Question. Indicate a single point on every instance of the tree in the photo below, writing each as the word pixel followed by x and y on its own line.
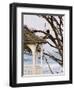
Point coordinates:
pixel 56 23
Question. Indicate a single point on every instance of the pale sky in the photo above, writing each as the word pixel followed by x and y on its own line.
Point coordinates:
pixel 38 23
pixel 35 22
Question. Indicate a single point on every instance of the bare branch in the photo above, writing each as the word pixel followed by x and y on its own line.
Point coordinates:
pixel 54 58
pixel 48 65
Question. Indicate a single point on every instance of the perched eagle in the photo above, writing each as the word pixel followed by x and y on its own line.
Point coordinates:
pixel 48 33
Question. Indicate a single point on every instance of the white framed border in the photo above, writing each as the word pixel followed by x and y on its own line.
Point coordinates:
pixel 66 45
